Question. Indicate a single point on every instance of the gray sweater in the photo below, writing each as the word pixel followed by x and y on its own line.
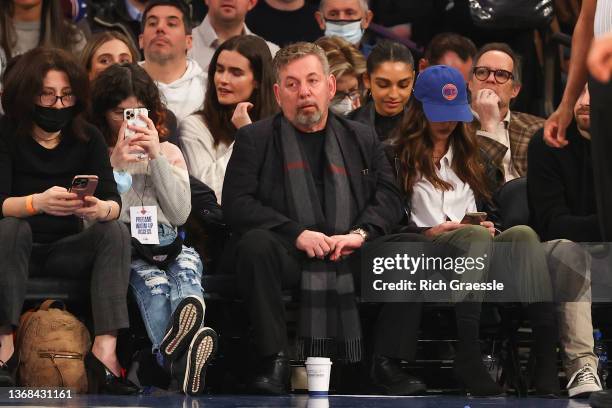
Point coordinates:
pixel 167 187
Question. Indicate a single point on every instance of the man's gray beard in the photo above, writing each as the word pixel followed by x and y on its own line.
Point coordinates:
pixel 308 120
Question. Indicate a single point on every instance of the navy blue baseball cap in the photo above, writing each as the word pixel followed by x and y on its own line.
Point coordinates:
pixel 442 91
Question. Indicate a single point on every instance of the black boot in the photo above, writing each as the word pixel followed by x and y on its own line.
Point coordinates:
pixel 8 370
pixel 468 366
pixel 544 348
pixel 388 375
pixel 273 375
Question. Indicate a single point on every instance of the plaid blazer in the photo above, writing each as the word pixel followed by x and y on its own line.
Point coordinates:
pixel 521 128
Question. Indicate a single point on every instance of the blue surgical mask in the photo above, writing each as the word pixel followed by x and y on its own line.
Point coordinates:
pixel 350 30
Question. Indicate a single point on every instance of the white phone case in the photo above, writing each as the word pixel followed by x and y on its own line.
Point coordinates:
pixel 133 118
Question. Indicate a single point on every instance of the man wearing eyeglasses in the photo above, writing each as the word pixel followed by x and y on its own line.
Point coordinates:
pixel 503 134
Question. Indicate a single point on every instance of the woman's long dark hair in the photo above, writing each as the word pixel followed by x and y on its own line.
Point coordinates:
pixel 55 30
pixel 117 83
pixel 23 84
pixel 414 148
pixel 217 117
pixel 388 51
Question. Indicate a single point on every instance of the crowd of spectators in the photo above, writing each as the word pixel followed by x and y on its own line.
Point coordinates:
pixel 321 130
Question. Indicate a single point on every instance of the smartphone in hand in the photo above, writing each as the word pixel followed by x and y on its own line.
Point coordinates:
pixel 474 218
pixel 133 118
pixel 84 185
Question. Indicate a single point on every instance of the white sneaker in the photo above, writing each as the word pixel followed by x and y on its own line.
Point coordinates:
pixel 583 382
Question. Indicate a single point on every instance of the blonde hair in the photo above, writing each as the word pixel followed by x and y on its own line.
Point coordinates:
pixel 297 51
pixel 343 57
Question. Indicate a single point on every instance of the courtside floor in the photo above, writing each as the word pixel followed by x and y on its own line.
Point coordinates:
pixel 166 400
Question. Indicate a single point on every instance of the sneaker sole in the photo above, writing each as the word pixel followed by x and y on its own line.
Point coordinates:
pixel 202 349
pixel 583 391
pixel 186 321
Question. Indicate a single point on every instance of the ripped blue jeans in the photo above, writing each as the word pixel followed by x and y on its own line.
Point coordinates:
pixel 158 291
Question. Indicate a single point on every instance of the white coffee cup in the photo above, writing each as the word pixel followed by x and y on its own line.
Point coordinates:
pixel 318 402
pixel 318 370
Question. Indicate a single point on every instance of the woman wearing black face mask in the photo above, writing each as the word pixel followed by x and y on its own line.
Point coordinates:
pixel 44 143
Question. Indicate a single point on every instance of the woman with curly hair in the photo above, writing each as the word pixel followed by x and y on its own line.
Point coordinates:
pixel 44 143
pixel 165 274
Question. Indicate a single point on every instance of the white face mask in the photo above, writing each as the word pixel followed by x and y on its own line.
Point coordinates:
pixel 351 31
pixel 343 107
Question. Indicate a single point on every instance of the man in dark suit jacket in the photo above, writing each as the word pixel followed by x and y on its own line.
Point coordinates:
pixel 303 191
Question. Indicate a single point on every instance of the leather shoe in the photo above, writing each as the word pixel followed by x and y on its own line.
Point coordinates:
pixel 272 375
pixel 101 380
pixel 8 370
pixel 388 375
pixel 472 375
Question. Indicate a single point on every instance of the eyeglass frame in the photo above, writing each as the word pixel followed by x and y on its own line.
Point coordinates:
pixel 494 71
pixel 115 115
pixel 352 95
pixel 60 97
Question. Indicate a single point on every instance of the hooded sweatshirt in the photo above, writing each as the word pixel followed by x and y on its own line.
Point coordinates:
pixel 185 95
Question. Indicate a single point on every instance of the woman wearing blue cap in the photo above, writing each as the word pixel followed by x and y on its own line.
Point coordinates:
pixel 444 177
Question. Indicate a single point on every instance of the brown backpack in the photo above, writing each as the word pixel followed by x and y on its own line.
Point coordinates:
pixel 52 344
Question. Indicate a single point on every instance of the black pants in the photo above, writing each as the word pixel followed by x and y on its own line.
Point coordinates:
pixel 100 254
pixel 266 264
pixel 601 148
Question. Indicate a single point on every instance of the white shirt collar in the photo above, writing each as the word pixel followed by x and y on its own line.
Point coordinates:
pixel 448 156
pixel 209 35
pixel 506 119
pixel 431 206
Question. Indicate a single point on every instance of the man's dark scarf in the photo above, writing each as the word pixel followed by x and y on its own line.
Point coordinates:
pixel 329 322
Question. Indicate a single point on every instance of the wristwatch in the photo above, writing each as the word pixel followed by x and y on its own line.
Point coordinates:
pixel 361 232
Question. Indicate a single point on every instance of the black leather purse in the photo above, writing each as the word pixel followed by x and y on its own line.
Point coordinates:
pixel 511 14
